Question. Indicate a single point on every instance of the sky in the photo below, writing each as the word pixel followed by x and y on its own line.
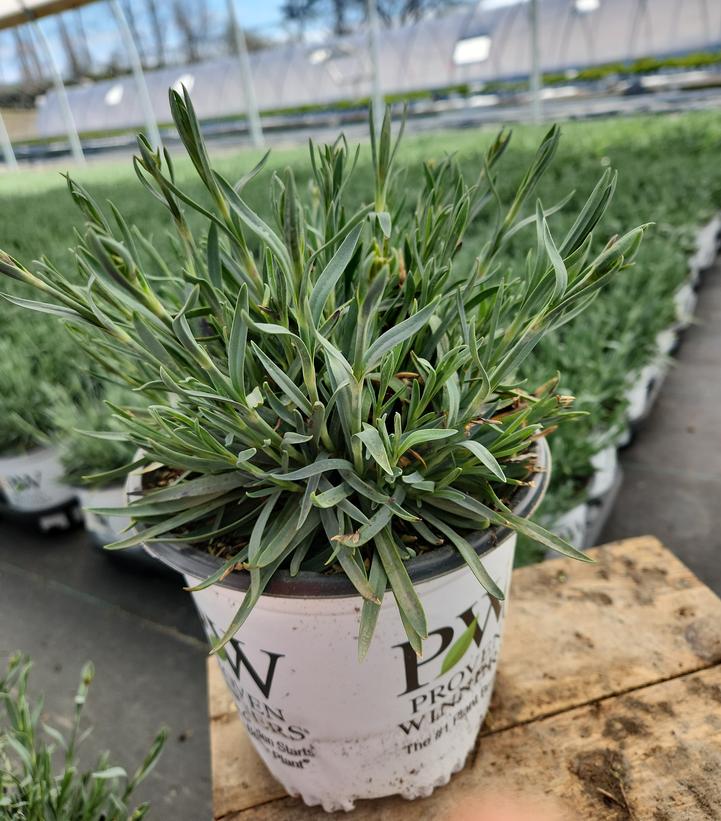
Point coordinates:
pixel 260 16
pixel 98 21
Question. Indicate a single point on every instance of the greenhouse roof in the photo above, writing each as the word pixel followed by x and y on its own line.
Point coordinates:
pixel 17 12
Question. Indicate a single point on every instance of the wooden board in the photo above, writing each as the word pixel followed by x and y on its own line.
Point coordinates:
pixel 607 668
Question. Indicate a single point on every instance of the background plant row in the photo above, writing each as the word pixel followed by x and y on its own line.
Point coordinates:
pixel 668 174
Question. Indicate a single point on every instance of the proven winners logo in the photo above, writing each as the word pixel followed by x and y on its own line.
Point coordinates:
pixel 467 650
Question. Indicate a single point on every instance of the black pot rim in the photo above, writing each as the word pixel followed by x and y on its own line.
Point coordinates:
pixel 307 585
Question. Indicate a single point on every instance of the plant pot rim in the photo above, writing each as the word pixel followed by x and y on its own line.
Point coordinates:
pixel 114 486
pixel 310 585
pixel 28 453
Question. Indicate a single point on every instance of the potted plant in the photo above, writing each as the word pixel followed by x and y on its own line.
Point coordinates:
pixel 94 467
pixel 337 454
pixel 31 485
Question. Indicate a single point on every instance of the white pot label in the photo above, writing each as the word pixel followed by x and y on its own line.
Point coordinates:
pixel 334 730
pixel 32 481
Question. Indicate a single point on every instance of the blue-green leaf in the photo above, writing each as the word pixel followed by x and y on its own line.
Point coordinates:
pixel 375 447
pixel 330 275
pixel 398 334
pixel 484 456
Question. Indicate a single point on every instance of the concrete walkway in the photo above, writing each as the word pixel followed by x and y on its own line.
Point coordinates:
pixel 672 470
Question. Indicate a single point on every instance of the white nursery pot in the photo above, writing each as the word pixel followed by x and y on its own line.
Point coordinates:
pixel 666 341
pixel 32 482
pixel 685 303
pixel 640 396
pixel 334 730
pixel 572 526
pixel 104 529
pixel 707 243
pixel 605 464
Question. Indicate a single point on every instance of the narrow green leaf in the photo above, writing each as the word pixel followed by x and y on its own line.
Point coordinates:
pixel 168 525
pixel 398 334
pixel 330 275
pixel 237 342
pixel 332 496
pixel 401 585
pixel 420 437
pixel 110 772
pixel 355 571
pixel 468 553
pixel 44 308
pixel 558 264
pixel 215 273
pixel 224 569
pixel 370 610
pixel 319 466
pixel 375 447
pixel 459 648
pixel 367 531
pixel 189 488
pixel 517 523
pixel 256 535
pixel 484 456
pixel 281 379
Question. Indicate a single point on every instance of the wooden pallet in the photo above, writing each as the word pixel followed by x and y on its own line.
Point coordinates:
pixel 607 703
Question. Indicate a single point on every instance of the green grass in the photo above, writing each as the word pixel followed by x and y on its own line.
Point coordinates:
pixel 669 174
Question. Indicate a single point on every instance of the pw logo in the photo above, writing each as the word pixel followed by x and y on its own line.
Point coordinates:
pixel 237 658
pixel 21 482
pixel 448 652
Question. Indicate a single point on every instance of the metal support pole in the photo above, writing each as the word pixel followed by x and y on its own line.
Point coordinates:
pixel 535 84
pixel 151 123
pixel 7 146
pixel 73 138
pixel 377 93
pixel 246 77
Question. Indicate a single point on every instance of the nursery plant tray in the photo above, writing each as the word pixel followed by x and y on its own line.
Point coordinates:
pixel 600 509
pixel 607 702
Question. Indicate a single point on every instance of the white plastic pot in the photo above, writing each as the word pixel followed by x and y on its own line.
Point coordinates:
pixel 103 529
pixel 605 463
pixel 685 301
pixel 666 341
pixel 334 730
pixel 572 526
pixel 642 393
pixel 625 436
pixel 31 483
pixel 707 244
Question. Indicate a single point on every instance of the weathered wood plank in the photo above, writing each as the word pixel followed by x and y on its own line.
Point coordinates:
pixel 650 755
pixel 240 779
pixel 576 633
